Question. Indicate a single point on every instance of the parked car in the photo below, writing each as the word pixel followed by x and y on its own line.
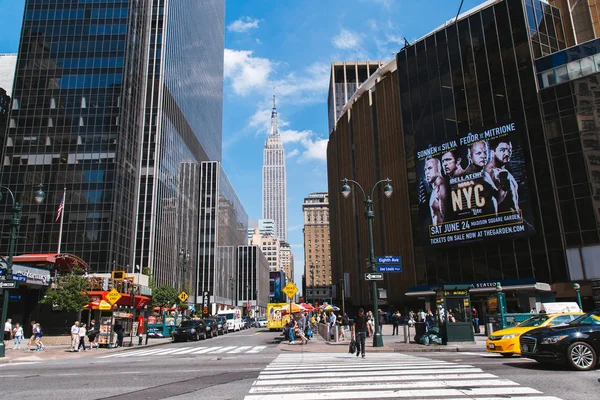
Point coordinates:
pixel 506 341
pixel 190 330
pixel 211 327
pixel 261 322
pixel 577 344
pixel 215 322
pixel 223 321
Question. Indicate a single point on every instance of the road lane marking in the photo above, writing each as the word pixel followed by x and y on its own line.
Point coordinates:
pixel 185 351
pixel 224 349
pixel 256 349
pixel 239 349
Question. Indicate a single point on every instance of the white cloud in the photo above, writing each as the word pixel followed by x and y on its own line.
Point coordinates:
pixel 243 24
pixel 246 72
pixel 314 147
pixel 293 153
pixel 387 4
pixel 346 40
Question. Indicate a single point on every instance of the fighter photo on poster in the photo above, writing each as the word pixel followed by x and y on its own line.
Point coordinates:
pixel 474 187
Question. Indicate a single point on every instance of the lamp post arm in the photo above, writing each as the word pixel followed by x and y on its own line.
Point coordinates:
pixel 12 196
pixel 386 180
pixel 346 180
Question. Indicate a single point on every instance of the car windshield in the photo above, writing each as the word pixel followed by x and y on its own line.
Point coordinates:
pixel 228 316
pixel 262 319
pixel 535 321
pixel 187 324
pixel 592 318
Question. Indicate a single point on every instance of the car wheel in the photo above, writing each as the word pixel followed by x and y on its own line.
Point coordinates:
pixel 507 355
pixel 581 356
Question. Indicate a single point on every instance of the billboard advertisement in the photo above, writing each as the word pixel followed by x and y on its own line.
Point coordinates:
pixel 275 280
pixel 473 187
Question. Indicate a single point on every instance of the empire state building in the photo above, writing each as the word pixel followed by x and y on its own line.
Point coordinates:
pixel 274 189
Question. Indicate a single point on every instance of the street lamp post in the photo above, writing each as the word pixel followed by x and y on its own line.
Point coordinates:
pixel 231 284
pixel 577 287
pixel 343 281
pixel 184 256
pixel 501 304
pixel 370 216
pixel 15 221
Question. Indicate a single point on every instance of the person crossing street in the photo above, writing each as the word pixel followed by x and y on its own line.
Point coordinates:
pixel 359 332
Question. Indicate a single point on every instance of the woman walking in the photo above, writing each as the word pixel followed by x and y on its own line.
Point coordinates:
pixel 18 335
pixel 81 335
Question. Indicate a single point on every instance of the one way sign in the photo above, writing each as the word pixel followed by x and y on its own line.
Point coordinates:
pixel 370 276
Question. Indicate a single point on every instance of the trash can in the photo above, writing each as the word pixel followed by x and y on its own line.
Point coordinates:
pixel 420 329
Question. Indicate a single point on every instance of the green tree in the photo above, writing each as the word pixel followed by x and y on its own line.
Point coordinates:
pixel 164 296
pixel 69 293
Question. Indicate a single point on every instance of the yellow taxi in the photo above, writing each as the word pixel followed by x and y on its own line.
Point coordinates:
pixel 506 341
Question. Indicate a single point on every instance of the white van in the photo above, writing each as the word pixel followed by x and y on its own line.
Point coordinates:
pixel 233 317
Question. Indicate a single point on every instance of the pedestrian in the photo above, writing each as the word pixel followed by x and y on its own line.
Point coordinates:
pixel 381 321
pixel 475 320
pixel 92 334
pixel 292 328
pixel 38 337
pixel 429 319
pixel 533 311
pixel 332 326
pixel 81 334
pixel 7 331
pixel 75 336
pixel 119 331
pixel 18 336
pixel 395 322
pixel 32 338
pixel 360 329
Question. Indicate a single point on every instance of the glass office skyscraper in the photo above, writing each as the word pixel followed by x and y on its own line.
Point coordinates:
pixel 119 104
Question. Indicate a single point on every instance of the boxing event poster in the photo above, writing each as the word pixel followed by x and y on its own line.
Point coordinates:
pixel 474 187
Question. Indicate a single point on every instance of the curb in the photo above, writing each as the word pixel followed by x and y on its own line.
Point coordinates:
pixel 109 351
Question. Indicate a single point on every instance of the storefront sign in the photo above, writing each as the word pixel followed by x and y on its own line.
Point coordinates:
pixel 473 187
pixel 456 293
pixel 29 275
pixel 492 304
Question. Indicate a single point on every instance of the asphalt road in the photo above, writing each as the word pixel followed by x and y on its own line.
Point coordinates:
pixel 149 373
pixel 228 367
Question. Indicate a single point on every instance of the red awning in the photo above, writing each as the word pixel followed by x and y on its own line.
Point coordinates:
pixel 125 300
pixel 62 261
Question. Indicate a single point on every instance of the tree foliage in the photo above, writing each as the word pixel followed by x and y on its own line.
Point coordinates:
pixel 164 296
pixel 69 292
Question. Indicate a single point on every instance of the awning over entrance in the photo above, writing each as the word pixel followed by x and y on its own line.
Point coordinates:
pixel 125 300
pixel 486 287
pixel 62 261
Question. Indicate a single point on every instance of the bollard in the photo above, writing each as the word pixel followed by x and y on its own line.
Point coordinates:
pixel 406 331
pixel 489 328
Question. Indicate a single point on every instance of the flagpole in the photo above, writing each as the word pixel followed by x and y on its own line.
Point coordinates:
pixel 62 216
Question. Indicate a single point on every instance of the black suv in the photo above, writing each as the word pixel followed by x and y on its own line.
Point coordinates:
pixel 216 326
pixel 190 330
pixel 576 344
pixel 222 324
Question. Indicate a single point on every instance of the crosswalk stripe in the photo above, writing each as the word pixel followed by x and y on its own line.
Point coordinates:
pixel 223 350
pixel 334 376
pixel 168 351
pixel 132 353
pixel 256 349
pixel 185 351
pixel 239 349
pixel 202 350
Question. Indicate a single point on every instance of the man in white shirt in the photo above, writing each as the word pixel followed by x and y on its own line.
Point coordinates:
pixel 7 331
pixel 332 327
pixel 75 336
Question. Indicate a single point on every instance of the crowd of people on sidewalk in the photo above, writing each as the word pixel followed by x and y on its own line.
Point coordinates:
pixel 79 332
pixel 15 332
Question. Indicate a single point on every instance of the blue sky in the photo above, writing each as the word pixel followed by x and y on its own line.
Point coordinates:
pixel 285 48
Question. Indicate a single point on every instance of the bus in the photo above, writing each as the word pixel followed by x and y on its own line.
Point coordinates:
pixel 274 319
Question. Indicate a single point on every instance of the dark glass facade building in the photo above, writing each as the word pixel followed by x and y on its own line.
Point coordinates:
pixel 468 79
pixel 119 102
pixel 223 227
pixel 253 286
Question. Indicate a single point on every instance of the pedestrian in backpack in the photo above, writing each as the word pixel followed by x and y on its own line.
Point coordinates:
pixel 360 329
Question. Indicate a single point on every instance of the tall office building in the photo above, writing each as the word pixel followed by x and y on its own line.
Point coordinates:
pixel 109 103
pixel 223 226
pixel 8 63
pixel 274 189
pixel 580 19
pixel 265 227
pixel 345 78
pixel 269 245
pixel 317 247
pixel 286 260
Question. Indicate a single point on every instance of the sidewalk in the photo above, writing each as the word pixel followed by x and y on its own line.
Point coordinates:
pixel 62 352
pixel 390 344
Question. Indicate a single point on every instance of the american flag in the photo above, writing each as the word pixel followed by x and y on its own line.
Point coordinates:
pixel 61 207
